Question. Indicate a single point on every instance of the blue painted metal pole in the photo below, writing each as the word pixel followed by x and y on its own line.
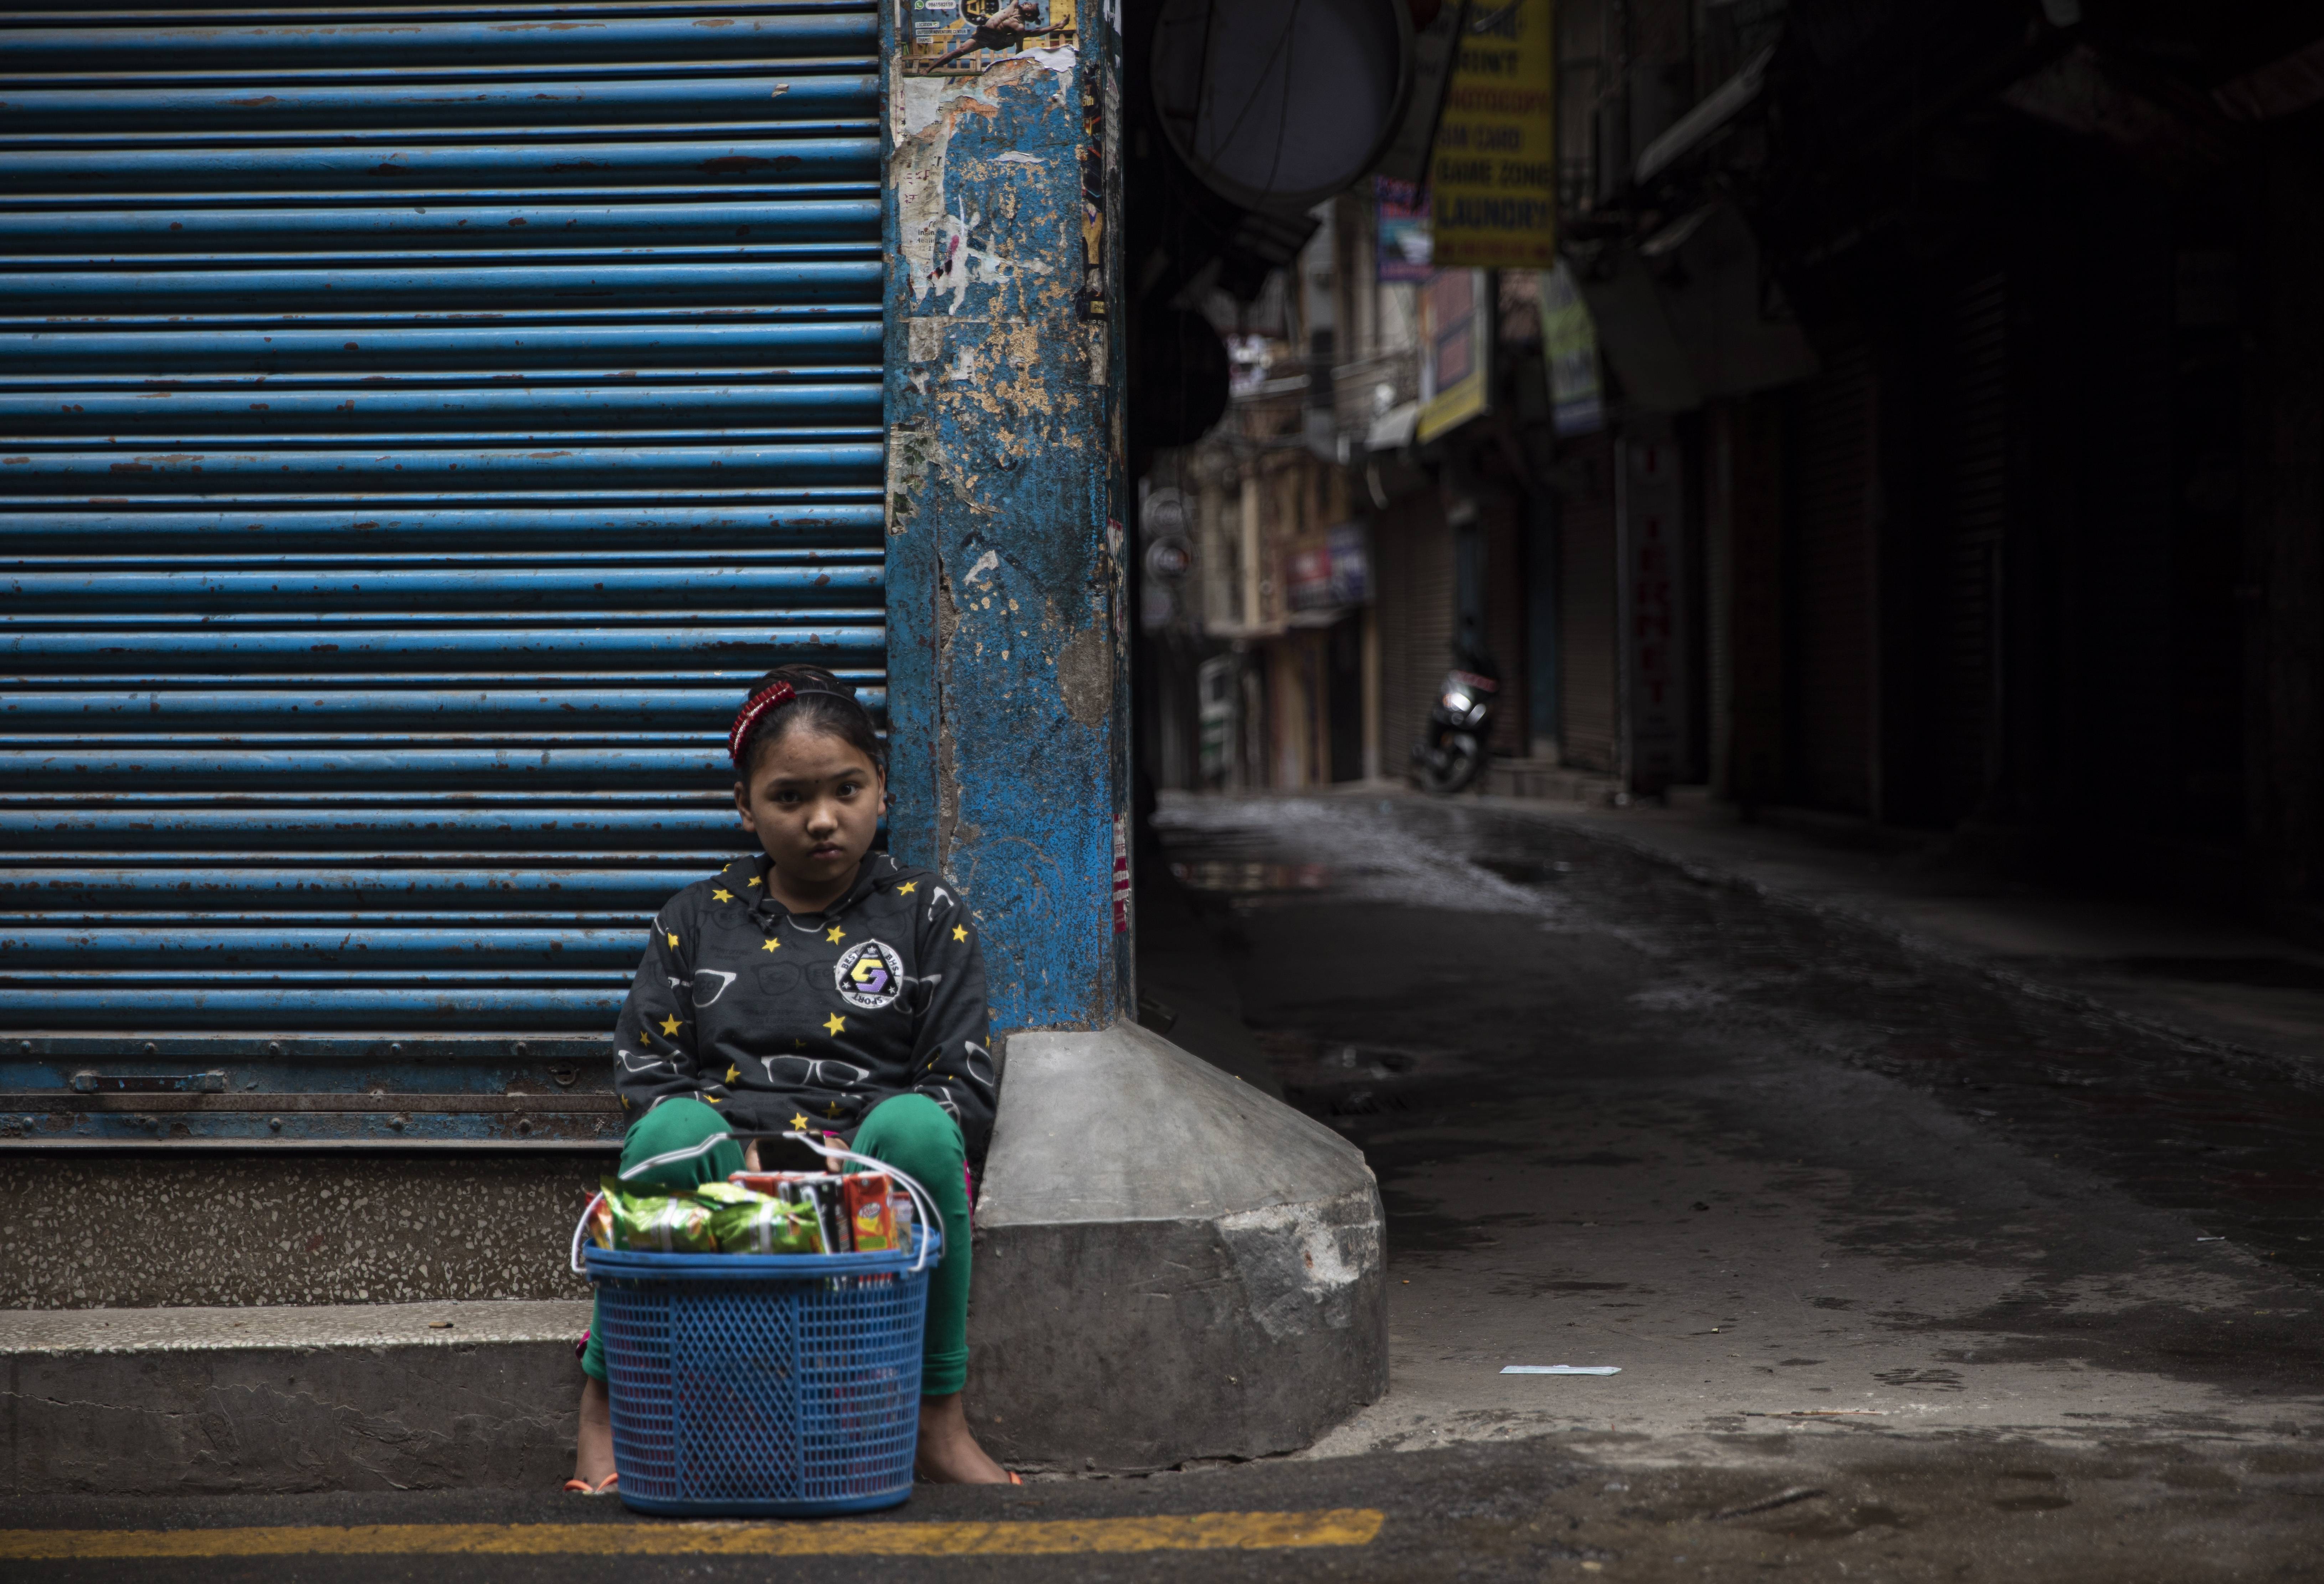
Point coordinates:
pixel 1008 698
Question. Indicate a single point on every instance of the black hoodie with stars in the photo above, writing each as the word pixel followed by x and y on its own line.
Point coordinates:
pixel 773 1015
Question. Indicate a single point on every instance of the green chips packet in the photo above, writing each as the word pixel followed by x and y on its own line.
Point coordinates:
pixel 748 1223
pixel 710 1218
pixel 660 1223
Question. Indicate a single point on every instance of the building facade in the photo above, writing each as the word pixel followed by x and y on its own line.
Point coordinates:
pixel 1933 457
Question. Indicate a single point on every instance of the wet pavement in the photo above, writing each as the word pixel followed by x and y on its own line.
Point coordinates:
pixel 1912 1268
pixel 2233 1138
pixel 1809 1188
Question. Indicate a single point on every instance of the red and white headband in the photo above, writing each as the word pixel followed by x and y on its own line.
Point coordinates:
pixel 773 697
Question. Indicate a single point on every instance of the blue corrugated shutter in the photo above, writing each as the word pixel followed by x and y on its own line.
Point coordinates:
pixel 421 425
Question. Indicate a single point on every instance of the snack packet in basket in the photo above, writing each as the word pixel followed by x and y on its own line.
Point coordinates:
pixel 660 1223
pixel 601 1221
pixel 818 1191
pixel 870 1222
pixel 761 1223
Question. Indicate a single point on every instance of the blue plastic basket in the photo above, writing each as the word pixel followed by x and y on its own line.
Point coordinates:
pixel 764 1386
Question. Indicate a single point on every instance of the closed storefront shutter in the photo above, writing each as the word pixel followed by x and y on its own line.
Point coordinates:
pixel 1415 550
pixel 2125 573
pixel 1975 411
pixel 1750 477
pixel 422 427
pixel 1829 570
pixel 1433 595
pixel 1391 542
pixel 1588 632
pixel 1505 623
pixel 1393 610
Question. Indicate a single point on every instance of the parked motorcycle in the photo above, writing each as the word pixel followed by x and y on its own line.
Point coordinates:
pixel 1453 754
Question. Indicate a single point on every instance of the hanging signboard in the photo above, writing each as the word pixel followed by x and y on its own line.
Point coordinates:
pixel 1351 564
pixel 1493 182
pixel 1331 573
pixel 1456 340
pixel 1307 570
pixel 1569 345
pixel 1404 244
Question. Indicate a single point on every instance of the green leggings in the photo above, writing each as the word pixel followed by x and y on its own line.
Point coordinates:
pixel 909 1132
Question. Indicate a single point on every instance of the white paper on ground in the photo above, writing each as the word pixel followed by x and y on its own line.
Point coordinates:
pixel 1561 1369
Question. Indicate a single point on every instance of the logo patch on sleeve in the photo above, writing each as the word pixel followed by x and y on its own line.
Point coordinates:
pixel 870 975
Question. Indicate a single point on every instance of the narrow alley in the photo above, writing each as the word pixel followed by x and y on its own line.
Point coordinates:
pixel 1827 1200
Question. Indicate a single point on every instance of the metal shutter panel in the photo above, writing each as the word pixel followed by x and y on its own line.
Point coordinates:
pixel 1588 632
pixel 1430 634
pixel 1414 548
pixel 1976 415
pixel 422 425
pixel 1391 542
pixel 1505 625
pixel 1830 572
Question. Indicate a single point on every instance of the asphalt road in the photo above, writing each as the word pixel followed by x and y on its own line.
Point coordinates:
pixel 1909 1272
pixel 1936 1510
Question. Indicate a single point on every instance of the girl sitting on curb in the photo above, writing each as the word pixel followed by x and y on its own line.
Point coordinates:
pixel 813 985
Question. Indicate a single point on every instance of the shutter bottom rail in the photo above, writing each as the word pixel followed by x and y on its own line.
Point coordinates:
pixel 258 1120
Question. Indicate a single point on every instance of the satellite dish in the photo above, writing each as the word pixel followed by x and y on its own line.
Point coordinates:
pixel 1278 105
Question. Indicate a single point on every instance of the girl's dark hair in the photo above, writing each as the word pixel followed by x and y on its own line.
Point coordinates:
pixel 824 703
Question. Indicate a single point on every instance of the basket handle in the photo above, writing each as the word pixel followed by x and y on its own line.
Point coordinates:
pixel 921 1201
pixel 579 1228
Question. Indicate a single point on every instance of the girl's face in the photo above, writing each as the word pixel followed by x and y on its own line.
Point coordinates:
pixel 814 802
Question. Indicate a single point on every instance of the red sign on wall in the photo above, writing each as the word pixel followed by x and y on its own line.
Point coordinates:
pixel 1654 616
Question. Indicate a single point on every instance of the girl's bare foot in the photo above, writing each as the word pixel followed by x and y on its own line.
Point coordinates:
pixel 948 1453
pixel 593 1451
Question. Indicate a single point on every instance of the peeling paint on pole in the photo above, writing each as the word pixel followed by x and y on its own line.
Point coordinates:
pixel 1008 691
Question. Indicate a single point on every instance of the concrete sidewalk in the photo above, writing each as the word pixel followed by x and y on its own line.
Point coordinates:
pixel 208 1401
pixel 122 1373
pixel 2199 976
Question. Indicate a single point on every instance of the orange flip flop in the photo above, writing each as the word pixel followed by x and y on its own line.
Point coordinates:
pixel 582 1487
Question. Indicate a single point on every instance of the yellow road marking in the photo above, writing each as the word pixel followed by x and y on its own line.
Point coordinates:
pixel 1049 1537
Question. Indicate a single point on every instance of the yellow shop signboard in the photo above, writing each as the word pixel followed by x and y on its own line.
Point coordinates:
pixel 1493 181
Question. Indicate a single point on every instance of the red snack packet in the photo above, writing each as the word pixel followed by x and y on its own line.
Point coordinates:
pixel 869 1218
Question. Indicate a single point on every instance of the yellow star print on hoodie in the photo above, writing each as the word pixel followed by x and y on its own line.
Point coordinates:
pixel 767 1014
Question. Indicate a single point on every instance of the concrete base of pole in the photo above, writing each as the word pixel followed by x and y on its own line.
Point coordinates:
pixel 1170 1264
